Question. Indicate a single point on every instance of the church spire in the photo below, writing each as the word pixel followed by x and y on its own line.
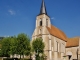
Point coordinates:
pixel 43 8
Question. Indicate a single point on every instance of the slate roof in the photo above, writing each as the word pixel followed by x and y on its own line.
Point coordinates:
pixel 43 8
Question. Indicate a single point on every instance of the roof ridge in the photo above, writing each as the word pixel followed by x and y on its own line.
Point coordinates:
pixel 73 37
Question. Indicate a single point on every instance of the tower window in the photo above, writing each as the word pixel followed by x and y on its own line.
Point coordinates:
pixel 46 22
pixel 41 22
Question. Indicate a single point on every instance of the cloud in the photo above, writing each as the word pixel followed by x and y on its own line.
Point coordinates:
pixel 52 18
pixel 12 12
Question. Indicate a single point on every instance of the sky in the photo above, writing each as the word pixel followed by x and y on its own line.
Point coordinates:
pixel 19 16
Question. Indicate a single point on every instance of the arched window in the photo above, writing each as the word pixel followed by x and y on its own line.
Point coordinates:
pixel 46 22
pixel 57 46
pixel 40 22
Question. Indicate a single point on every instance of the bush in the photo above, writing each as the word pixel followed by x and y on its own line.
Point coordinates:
pixel 25 59
pixel 10 59
pixel 14 59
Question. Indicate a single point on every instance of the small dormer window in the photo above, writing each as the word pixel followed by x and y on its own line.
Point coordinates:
pixel 40 22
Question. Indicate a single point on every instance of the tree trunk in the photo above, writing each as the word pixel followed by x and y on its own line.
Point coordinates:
pixel 23 57
pixel 20 56
pixel 30 55
pixel 12 56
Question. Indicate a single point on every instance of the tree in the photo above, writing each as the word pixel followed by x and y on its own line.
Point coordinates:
pixel 38 46
pixel 5 49
pixel 0 48
pixel 13 46
pixel 23 44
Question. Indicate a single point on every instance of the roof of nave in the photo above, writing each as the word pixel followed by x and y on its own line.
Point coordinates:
pixel 57 33
pixel 72 42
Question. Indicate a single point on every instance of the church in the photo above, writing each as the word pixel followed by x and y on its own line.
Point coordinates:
pixel 57 45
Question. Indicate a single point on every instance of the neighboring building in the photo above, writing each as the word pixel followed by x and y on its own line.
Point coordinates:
pixel 57 45
pixel 73 47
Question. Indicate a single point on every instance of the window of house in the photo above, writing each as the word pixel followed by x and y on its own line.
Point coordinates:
pixel 57 46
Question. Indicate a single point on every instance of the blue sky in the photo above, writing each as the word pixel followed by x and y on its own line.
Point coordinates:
pixel 19 16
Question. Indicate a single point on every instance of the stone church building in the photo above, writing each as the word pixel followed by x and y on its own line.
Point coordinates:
pixel 57 45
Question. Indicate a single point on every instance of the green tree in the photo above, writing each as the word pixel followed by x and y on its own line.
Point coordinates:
pixel 13 46
pixel 5 48
pixel 23 45
pixel 0 48
pixel 38 46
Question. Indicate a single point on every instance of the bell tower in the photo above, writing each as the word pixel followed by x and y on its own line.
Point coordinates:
pixel 41 31
pixel 43 19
